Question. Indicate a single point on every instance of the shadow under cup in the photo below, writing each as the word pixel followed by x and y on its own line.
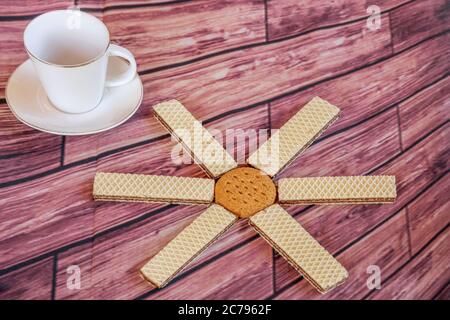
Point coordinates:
pixel 68 49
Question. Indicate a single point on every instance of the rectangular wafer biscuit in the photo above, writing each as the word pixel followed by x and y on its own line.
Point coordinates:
pixel 335 190
pixel 187 245
pixel 200 144
pixel 294 136
pixel 152 188
pixel 299 248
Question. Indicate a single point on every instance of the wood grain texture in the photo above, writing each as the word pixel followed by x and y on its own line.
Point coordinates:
pixel 226 278
pixel 290 64
pixel 32 282
pixel 420 165
pixel 229 77
pixel 227 82
pixel 169 34
pixel 12 8
pixel 24 151
pixel 444 294
pixel 385 247
pixel 424 276
pixel 118 4
pixel 290 17
pixel 368 91
pixel 111 263
pixel 429 213
pixel 335 227
pixel 418 20
pixel 46 213
pixel 424 111
pixel 12 50
pixel 110 267
pixel 97 5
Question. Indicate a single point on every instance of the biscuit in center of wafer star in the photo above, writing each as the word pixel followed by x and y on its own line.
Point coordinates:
pixel 245 191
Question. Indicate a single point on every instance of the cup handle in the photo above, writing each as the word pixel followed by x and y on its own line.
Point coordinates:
pixel 127 76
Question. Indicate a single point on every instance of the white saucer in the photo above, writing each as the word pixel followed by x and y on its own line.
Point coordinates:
pixel 28 102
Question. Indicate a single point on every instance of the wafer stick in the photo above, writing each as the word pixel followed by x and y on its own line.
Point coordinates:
pixel 299 248
pixel 337 190
pixel 294 136
pixel 151 188
pixel 200 144
pixel 187 245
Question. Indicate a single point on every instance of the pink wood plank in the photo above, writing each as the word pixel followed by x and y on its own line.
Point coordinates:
pixel 96 5
pixel 111 264
pixel 368 91
pixel 424 276
pixel 424 111
pixel 335 227
pixel 352 152
pixel 12 50
pixel 45 214
pixel 385 247
pixel 38 233
pixel 112 4
pixel 419 166
pixel 31 282
pixel 290 17
pixel 417 21
pixel 429 213
pixel 168 34
pixel 245 273
pixel 25 151
pixel 11 8
pixel 240 79
pixel 444 294
pixel 216 78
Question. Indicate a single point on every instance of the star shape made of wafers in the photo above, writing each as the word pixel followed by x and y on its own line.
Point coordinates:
pixel 246 192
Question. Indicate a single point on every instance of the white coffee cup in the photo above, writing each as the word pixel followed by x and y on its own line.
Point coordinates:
pixel 70 51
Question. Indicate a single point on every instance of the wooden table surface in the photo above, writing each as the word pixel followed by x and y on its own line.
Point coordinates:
pixel 241 64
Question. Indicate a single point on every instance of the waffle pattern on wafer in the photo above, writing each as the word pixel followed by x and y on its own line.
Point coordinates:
pixel 329 190
pixel 188 244
pixel 294 136
pixel 201 145
pixel 151 188
pixel 298 247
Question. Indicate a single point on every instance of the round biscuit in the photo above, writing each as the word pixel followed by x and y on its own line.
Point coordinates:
pixel 245 191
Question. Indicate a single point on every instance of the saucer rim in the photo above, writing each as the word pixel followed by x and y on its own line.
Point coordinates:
pixel 80 133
